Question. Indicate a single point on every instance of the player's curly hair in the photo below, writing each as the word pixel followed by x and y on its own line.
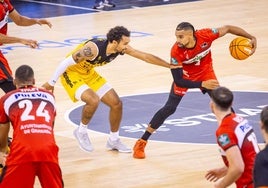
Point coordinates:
pixel 116 33
pixel 185 26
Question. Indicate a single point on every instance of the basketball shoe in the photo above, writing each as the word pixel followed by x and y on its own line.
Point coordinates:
pixel 98 6
pixel 117 145
pixel 83 140
pixel 139 149
pixel 108 3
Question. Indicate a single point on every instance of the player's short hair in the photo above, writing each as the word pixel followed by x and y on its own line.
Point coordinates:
pixel 24 73
pixel 264 118
pixel 117 33
pixel 185 26
pixel 222 97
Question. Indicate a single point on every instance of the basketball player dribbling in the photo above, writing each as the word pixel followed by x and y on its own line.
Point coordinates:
pixel 191 67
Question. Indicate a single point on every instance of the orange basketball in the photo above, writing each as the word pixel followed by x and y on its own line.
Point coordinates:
pixel 240 48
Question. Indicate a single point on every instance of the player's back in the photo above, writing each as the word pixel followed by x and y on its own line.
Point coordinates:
pixel 31 112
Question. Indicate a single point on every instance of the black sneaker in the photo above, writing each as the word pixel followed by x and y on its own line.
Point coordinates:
pixel 108 3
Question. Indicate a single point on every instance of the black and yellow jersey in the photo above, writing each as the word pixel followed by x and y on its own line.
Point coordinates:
pixel 101 59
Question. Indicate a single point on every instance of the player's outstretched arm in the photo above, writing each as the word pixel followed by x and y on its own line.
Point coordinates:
pixel 147 57
pixel 21 20
pixel 4 39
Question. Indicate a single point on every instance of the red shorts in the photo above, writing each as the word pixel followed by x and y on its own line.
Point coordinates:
pixel 23 175
pixel 5 71
pixel 181 91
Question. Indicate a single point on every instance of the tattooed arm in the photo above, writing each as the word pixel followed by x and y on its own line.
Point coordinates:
pixel 88 52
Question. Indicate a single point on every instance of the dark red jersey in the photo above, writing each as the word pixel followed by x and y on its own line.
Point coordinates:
pixel 196 61
pixel 236 131
pixel 31 111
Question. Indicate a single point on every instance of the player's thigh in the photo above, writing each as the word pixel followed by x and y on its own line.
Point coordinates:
pixel 22 175
pixel 49 175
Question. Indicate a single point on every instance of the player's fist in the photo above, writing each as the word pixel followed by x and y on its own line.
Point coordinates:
pixel 210 84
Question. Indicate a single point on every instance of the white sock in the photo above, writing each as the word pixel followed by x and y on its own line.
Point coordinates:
pixel 114 135
pixel 82 128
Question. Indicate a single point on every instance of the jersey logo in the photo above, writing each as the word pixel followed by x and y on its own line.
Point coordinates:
pixel 174 61
pixel 197 58
pixel 224 140
pixel 204 45
pixel 214 30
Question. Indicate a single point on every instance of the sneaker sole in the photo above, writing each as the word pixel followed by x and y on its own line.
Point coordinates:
pixel 121 151
pixel 138 157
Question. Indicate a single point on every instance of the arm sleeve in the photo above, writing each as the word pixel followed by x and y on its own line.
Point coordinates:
pixel 179 81
pixel 61 68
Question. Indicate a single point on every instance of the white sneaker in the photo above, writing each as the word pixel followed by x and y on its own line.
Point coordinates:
pixel 108 3
pixel 98 6
pixel 117 145
pixel 83 140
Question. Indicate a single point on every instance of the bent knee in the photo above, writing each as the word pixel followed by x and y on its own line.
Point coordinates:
pixel 118 104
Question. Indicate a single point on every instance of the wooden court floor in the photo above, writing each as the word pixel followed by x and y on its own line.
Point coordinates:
pixel 167 164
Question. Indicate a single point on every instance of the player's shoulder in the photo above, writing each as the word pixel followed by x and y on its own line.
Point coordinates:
pixel 175 47
pixel 207 32
pixel 8 94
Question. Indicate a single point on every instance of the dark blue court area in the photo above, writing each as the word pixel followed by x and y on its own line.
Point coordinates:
pixel 54 8
pixel 193 121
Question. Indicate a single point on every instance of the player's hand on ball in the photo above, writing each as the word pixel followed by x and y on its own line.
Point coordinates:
pixel 48 87
pixel 210 84
pixel 253 42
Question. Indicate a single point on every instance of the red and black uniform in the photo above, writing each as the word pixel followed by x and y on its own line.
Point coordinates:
pixel 235 131
pixel 6 78
pixel 197 61
pixel 33 151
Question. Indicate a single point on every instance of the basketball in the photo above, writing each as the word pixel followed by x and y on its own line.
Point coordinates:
pixel 240 48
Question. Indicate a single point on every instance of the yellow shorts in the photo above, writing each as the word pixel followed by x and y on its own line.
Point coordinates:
pixel 72 81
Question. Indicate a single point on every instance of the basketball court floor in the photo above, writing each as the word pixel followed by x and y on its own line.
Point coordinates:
pixel 183 149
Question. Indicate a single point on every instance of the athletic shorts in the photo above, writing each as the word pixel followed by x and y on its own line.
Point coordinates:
pixel 75 83
pixel 5 71
pixel 181 91
pixel 23 175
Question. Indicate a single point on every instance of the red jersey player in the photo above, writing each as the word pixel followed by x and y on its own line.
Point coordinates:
pixel 191 67
pixel 237 141
pixel 7 11
pixel 33 151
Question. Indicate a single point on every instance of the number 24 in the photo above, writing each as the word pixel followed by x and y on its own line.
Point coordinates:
pixel 41 112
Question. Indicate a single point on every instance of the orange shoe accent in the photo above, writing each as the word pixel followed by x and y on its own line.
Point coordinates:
pixel 139 149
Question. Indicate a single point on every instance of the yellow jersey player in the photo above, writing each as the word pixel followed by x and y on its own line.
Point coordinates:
pixel 82 82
